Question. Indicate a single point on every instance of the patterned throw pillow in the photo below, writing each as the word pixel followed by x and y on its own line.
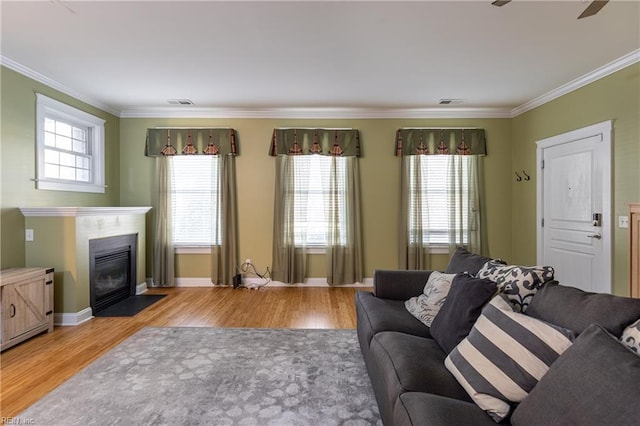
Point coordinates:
pixel 631 337
pixel 426 306
pixel 519 283
pixel 504 356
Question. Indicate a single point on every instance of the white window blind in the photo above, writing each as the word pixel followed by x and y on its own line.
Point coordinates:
pixel 313 199
pixel 194 200
pixel 442 197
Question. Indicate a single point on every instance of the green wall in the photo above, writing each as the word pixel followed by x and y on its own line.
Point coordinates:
pixel 18 162
pixel 510 205
pixel 617 98
pixel 379 174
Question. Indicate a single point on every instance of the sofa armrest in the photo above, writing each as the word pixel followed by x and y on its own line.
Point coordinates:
pixel 399 284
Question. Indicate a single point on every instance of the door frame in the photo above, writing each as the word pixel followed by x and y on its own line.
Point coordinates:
pixel 604 130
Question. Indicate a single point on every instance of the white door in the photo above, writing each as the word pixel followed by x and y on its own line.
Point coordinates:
pixel 574 207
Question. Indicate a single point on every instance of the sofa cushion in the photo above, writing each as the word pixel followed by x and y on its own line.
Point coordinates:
pixel 461 309
pixel 519 283
pixel 631 337
pixel 412 364
pixel 465 261
pixel 594 382
pixel 376 315
pixel 417 408
pixel 504 356
pixel 426 306
pixel 575 309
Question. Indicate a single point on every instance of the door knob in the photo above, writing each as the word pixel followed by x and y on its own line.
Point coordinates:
pixel 597 236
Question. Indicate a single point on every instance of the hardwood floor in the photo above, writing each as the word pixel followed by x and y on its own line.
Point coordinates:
pixel 32 369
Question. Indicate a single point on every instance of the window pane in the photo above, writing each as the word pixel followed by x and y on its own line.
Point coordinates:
pixel 49 139
pixel 79 146
pixel 51 156
pixel 49 125
pixel 51 171
pixel 68 173
pixel 82 175
pixel 67 159
pixel 63 142
pixel 63 129
pixel 79 134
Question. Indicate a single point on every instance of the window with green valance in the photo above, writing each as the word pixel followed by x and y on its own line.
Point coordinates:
pixel 194 141
pixel 430 141
pixel 305 141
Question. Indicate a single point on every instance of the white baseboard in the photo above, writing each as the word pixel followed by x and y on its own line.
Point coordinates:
pixel 70 319
pixel 141 288
pixel 309 282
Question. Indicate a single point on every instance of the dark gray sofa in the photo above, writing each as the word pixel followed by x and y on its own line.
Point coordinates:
pixel 413 387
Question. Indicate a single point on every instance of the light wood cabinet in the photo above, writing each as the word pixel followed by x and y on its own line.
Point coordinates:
pixel 634 249
pixel 26 303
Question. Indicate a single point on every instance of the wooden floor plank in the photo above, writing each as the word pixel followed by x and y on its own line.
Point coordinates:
pixel 34 368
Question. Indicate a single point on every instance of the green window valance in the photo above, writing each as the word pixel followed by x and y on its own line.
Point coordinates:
pixel 429 141
pixel 195 141
pixel 303 141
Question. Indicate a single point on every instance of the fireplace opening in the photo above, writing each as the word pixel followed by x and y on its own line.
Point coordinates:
pixel 112 270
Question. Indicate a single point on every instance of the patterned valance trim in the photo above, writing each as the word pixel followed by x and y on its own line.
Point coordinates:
pixel 196 141
pixel 428 141
pixel 304 141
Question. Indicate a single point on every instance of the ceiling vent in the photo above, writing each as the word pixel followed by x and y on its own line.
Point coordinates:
pixel 450 101
pixel 180 101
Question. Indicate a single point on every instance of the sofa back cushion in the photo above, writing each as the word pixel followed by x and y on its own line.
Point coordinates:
pixel 462 307
pixel 576 309
pixel 465 261
pixel 594 382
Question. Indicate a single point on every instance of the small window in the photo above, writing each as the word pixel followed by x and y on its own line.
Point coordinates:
pixel 313 199
pixel 441 212
pixel 70 148
pixel 195 212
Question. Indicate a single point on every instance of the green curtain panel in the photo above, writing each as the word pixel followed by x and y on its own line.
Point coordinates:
pixel 303 141
pixel 164 142
pixel 428 141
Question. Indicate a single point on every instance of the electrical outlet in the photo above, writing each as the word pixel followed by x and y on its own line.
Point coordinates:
pixel 28 234
pixel 623 221
pixel 247 261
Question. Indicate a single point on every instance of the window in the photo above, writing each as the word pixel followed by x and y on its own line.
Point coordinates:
pixel 442 197
pixel 313 200
pixel 194 201
pixel 70 148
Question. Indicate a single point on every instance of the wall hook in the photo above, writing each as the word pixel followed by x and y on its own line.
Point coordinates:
pixel 526 176
pixel 518 177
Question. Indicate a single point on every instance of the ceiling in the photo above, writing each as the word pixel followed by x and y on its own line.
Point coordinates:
pixel 130 58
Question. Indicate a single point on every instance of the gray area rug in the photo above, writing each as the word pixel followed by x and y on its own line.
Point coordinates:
pixel 218 376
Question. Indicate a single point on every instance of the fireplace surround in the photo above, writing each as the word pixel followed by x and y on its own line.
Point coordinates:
pixel 112 270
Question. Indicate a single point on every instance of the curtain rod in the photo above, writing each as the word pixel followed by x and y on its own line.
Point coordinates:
pixel 443 128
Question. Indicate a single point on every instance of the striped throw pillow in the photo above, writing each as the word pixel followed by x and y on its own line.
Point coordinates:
pixel 504 356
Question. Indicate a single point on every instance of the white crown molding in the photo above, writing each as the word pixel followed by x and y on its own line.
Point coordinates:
pixel 35 75
pixel 81 211
pixel 317 113
pixel 605 70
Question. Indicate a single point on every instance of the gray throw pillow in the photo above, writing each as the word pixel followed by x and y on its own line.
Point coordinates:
pixel 467 296
pixel 594 382
pixel 427 305
pixel 465 261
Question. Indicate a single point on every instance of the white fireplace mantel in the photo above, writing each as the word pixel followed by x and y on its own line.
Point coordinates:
pixel 81 211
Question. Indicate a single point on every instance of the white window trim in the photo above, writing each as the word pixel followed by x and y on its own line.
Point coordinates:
pixel 181 249
pixel 46 106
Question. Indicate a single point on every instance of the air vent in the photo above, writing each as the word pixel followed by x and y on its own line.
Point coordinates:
pixel 180 101
pixel 450 101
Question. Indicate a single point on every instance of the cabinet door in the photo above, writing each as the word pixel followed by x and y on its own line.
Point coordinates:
pixel 23 306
